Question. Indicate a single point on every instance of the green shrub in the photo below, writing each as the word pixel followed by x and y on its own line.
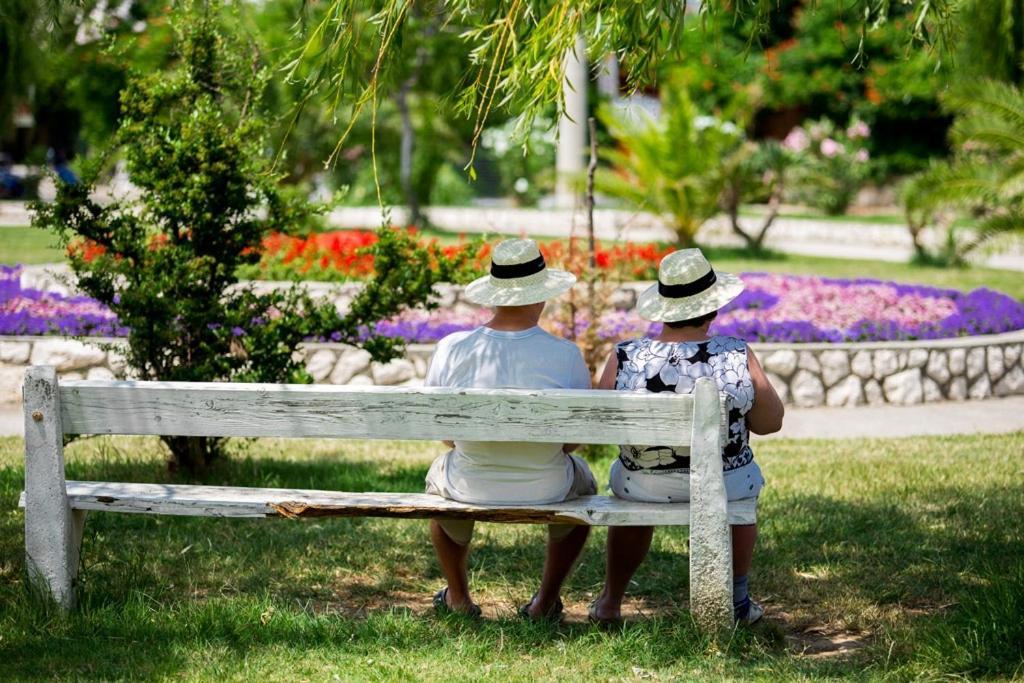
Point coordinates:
pixel 194 144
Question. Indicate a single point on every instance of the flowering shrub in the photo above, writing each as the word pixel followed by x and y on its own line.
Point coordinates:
pixel 831 163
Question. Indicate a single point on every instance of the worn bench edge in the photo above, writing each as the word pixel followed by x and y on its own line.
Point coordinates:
pixel 237 502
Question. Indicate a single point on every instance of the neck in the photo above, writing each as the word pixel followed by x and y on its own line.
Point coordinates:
pixel 684 334
pixel 506 320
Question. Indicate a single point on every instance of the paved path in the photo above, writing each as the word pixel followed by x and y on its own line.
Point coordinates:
pixel 994 416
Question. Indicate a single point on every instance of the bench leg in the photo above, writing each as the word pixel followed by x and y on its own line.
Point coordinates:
pixel 53 531
pixel 710 544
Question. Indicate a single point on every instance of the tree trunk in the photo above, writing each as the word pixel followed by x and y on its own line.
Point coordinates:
pixel 405 153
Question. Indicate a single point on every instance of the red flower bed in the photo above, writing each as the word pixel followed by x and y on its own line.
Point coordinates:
pixel 340 255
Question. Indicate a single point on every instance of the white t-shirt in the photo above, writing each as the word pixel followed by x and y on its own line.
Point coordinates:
pixel 504 472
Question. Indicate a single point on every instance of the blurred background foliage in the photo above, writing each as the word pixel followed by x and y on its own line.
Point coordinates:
pixel 769 69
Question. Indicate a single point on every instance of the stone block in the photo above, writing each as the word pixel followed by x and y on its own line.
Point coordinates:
pixel 846 393
pixel 623 299
pixel 320 364
pixel 394 372
pixel 1011 384
pixel 975 362
pixel 931 390
pixel 904 387
pixel 885 363
pixel 71 375
pixel 1011 354
pixel 99 373
pixel 419 363
pixel 916 358
pixel 835 365
pixel 11 378
pixel 351 362
pixel 957 390
pixel 66 354
pixel 807 389
pixel 360 380
pixel 938 367
pixel 808 361
pixel 15 352
pixel 994 361
pixel 982 388
pixel 957 361
pixel 782 363
pixel 780 386
pixel 861 365
pixel 873 392
pixel 117 363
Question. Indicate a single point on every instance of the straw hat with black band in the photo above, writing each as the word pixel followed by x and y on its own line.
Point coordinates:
pixel 519 276
pixel 688 287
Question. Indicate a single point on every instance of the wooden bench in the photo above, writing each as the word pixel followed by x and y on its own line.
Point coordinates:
pixel 55 508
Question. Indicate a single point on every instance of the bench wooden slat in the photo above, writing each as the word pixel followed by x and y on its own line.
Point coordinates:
pixel 222 409
pixel 232 501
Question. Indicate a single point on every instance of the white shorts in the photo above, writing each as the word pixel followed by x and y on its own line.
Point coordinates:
pixel 674 487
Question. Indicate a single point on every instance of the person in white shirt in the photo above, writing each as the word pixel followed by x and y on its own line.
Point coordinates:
pixel 511 352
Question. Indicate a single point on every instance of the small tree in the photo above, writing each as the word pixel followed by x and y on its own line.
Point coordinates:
pixel 754 172
pixel 194 143
pixel 671 166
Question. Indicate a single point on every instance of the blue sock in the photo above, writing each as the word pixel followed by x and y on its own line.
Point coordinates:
pixel 740 596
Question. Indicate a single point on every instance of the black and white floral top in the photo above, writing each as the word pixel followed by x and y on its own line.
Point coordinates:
pixel 654 366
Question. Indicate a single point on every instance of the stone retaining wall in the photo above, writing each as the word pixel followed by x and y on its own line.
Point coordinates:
pixel 805 375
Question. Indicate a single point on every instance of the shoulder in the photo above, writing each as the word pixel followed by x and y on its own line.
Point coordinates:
pixel 721 343
pixel 455 338
pixel 560 344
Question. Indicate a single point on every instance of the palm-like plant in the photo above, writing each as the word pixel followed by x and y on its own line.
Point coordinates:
pixel 671 166
pixel 986 175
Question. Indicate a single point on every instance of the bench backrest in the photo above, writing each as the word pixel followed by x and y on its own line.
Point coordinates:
pixel 288 410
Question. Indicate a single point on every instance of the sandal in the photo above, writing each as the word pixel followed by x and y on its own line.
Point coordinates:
pixel 442 607
pixel 553 614
pixel 600 622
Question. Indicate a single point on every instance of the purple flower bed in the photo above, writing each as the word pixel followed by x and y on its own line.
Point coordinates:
pixel 32 312
pixel 773 308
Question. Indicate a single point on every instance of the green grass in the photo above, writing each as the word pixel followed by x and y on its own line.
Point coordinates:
pixel 28 246
pixel 911 549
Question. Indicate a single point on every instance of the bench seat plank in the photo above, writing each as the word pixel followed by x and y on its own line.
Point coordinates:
pixel 232 501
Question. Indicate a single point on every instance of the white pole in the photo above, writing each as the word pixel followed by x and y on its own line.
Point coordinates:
pixel 572 135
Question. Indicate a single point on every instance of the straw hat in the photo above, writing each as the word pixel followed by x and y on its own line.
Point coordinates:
pixel 688 287
pixel 518 277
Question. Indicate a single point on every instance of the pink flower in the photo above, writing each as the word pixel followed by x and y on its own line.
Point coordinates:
pixel 861 155
pixel 831 148
pixel 858 129
pixel 797 140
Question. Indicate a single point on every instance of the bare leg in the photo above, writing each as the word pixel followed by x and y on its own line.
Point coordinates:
pixel 454 562
pixel 560 559
pixel 743 539
pixel 627 548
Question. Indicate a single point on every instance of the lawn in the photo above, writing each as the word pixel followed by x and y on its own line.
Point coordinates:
pixel 894 559
pixel 28 246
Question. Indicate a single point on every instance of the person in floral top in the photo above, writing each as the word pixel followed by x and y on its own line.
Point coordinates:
pixel 686 299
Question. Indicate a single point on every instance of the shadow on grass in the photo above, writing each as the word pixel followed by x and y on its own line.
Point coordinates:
pixel 170 585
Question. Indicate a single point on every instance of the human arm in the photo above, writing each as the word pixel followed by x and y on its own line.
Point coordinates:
pixel 611 369
pixel 765 417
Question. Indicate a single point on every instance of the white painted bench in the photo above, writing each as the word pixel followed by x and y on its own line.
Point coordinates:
pixel 55 508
